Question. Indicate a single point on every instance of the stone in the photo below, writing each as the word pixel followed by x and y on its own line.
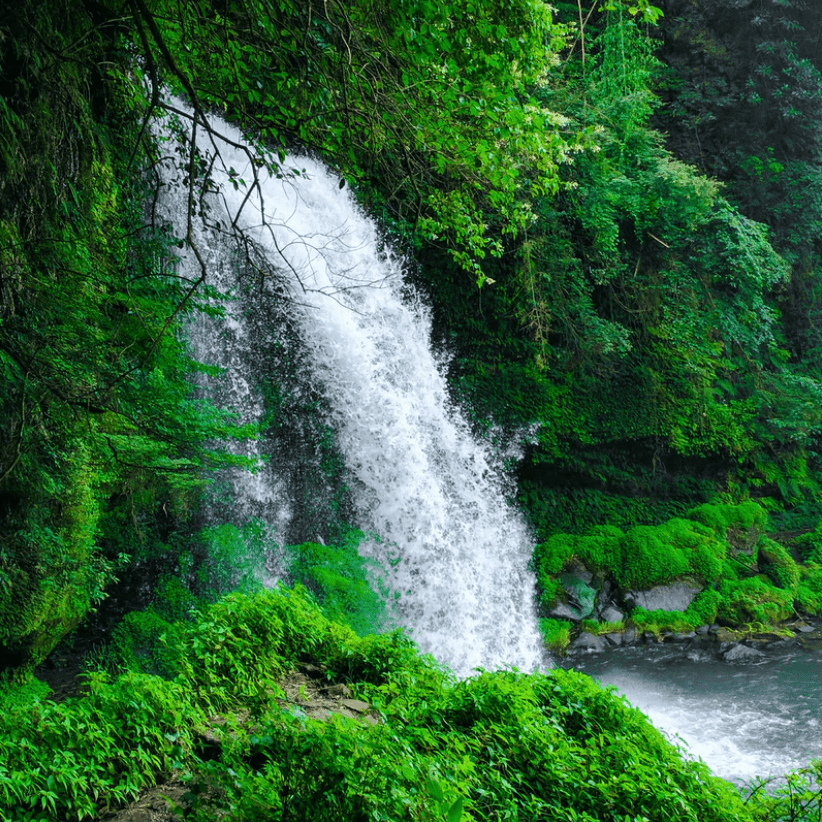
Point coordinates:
pixel 629 637
pixel 679 637
pixel 356 705
pixel 589 642
pixel 562 610
pixel 581 595
pixel 614 639
pixel 723 635
pixel 675 597
pixel 611 614
pixel 742 653
pixel 702 630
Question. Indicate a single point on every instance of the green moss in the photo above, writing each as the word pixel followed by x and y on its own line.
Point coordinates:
pixel 704 608
pixel 650 559
pixel 602 549
pixel 592 626
pixel 778 565
pixel 658 622
pixel 741 524
pixel 556 634
pixel 550 556
pixel 753 600
pixel 809 591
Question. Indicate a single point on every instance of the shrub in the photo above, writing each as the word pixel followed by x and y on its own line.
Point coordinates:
pixel 145 642
pixel 233 647
pixel 740 524
pixel 649 559
pixel 339 578
pixel 556 634
pixel 753 600
pixel 778 565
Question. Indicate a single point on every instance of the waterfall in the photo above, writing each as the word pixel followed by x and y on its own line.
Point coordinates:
pixel 453 552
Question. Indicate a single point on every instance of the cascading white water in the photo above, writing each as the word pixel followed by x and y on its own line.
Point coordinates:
pixel 454 553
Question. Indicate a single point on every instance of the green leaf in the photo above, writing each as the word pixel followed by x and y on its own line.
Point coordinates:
pixel 455 811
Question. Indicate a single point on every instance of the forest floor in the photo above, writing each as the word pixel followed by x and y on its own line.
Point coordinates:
pixel 307 691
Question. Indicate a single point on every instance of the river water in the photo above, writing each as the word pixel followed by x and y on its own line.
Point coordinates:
pixel 743 721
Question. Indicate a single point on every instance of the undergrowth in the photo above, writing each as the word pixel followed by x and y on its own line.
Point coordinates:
pixel 501 745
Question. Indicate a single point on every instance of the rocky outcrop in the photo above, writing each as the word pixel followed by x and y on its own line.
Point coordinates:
pixel 674 597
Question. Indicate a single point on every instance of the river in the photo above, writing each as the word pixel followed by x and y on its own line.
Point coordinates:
pixel 743 721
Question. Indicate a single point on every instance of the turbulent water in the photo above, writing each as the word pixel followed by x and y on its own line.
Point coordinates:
pixel 453 552
pixel 743 721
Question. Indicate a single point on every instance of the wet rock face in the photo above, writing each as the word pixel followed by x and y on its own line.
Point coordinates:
pixel 675 597
pixel 589 642
pixel 709 642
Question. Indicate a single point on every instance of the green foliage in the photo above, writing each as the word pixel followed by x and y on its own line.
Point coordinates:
pixel 550 745
pixel 753 600
pixel 743 521
pixel 658 555
pixel 656 622
pixel 702 611
pixel 59 759
pixel 341 580
pixel 556 634
pixel 704 608
pixel 232 558
pixel 143 641
pixel 747 577
pixel 778 565
pixel 233 648
pixel 101 432
pixel 810 545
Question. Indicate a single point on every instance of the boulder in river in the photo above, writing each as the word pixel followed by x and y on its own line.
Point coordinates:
pixel 589 642
pixel 742 653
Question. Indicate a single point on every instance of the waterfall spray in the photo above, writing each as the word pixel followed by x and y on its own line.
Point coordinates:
pixel 453 552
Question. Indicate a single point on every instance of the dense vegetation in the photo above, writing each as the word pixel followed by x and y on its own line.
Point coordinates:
pixel 209 709
pixel 615 213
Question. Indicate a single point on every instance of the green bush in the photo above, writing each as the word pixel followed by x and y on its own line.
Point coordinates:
pixel 145 642
pixel 752 600
pixel 339 578
pixel 745 521
pixel 778 565
pixel 57 761
pixel 233 647
pixel 502 745
pixel 810 545
pixel 556 634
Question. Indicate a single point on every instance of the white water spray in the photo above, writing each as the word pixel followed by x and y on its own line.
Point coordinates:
pixel 454 553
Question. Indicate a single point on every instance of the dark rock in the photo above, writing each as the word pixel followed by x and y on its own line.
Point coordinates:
pixel 629 637
pixel 611 614
pixel 702 630
pixel 562 610
pixel 742 653
pixel 589 642
pixel 581 595
pixel 679 637
pixel 614 639
pixel 802 628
